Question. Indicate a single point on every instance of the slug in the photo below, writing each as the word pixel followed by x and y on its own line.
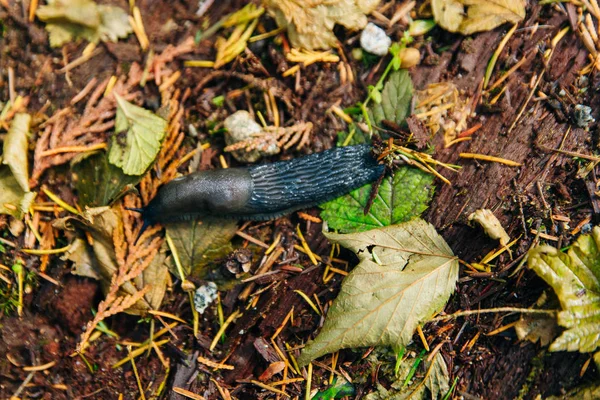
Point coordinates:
pixel 264 191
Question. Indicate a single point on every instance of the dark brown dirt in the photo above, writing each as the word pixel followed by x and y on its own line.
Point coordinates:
pixel 495 367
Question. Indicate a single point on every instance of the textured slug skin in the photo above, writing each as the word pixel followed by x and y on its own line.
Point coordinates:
pixel 265 191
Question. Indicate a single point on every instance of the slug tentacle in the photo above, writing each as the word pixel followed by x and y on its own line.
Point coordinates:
pixel 265 191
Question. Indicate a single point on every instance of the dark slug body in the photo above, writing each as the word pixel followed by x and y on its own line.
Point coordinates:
pixel 264 191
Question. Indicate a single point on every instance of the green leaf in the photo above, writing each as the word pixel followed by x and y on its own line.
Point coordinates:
pixel 74 19
pixel 432 382
pixel 400 198
pixel 138 134
pixel 340 388
pixel 396 97
pixel 13 200
pixel 575 278
pixel 406 274
pixel 200 242
pixel 357 137
pixel 98 182
pixel 15 149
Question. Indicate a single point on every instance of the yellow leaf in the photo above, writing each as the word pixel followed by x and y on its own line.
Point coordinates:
pixel 470 16
pixel 310 23
pixel 448 13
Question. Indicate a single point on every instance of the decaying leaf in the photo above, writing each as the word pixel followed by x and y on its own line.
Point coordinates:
pixel 138 134
pixel 114 24
pixel 490 224
pixel 101 223
pixel 470 16
pixel 406 274
pixel 537 328
pixel 541 328
pixel 591 392
pixel 200 242
pixel 396 99
pixel 575 278
pixel 399 198
pixel 310 23
pixel 68 20
pixel 15 197
pixel 84 263
pixel 15 149
pixel 98 182
pixel 432 382
pixel 13 200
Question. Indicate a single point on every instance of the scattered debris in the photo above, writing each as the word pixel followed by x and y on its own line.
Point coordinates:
pixel 442 107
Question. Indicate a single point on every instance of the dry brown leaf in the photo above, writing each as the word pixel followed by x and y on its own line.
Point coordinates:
pixel 310 23
pixel 470 16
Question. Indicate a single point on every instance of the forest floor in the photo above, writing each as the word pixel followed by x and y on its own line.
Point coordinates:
pixel 57 304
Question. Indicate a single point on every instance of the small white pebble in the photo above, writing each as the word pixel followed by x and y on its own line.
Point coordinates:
pixel 374 40
pixel 240 127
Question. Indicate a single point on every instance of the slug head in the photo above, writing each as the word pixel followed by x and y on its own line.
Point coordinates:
pixel 223 192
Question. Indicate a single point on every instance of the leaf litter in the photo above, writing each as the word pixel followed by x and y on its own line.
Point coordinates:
pixel 84 135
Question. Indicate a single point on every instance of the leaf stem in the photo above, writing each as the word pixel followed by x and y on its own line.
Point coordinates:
pixel 493 310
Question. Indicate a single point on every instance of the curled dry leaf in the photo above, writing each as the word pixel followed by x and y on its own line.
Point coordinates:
pixel 310 23
pixel 490 224
pixel 470 16
pixel 406 274
pixel 13 200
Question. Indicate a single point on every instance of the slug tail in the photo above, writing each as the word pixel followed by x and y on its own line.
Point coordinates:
pixel 137 210
pixel 145 226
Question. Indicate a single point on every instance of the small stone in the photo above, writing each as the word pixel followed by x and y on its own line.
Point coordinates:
pixel 374 40
pixel 204 296
pixel 241 126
